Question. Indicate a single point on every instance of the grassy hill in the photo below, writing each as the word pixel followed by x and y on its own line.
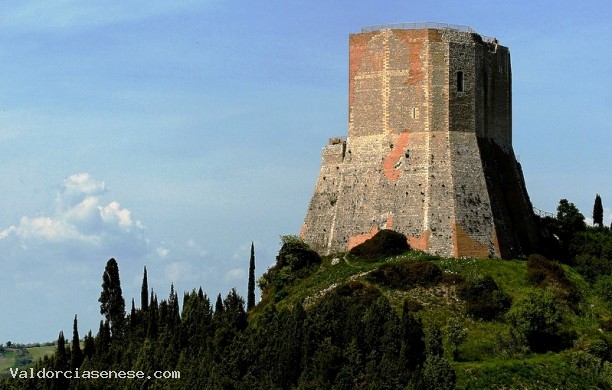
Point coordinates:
pixel 22 357
pixel 488 356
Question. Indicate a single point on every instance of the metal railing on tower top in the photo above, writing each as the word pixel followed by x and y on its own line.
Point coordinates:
pixel 425 25
pixel 542 213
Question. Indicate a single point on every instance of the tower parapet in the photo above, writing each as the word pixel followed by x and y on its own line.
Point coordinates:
pixel 429 147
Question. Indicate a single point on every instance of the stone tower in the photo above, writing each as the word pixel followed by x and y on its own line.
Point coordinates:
pixel 429 148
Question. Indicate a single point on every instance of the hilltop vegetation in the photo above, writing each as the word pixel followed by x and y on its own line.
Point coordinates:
pixel 19 355
pixel 380 316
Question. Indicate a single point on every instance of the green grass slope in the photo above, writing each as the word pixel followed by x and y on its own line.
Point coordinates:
pixel 488 357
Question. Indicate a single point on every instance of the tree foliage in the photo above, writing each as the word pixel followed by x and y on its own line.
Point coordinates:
pixel 295 260
pixel 407 274
pixel 549 274
pixel 76 354
pixel 593 253
pixel 351 338
pixel 598 212
pixel 484 299
pixel 144 292
pixel 112 304
pixel 536 320
pixel 251 286
pixel 296 254
pixel 570 218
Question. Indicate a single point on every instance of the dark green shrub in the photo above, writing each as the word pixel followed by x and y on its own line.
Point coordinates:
pixel 452 278
pixel 593 252
pixel 603 288
pixel 422 273
pixel 412 306
pixel 539 269
pixel 357 291
pixel 294 261
pixel 385 243
pixel 296 254
pixel 592 267
pixel 407 274
pixel 438 373
pixel 606 325
pixel 542 272
pixel 484 299
pixel 536 321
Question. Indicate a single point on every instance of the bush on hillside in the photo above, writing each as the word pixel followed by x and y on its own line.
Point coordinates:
pixel 593 267
pixel 294 261
pixel 606 325
pixel 544 273
pixel 591 251
pixel 438 374
pixel 357 291
pixel 484 299
pixel 407 274
pixel 535 321
pixel 412 305
pixel 383 244
pixel 540 268
pixel 603 288
pixel 296 254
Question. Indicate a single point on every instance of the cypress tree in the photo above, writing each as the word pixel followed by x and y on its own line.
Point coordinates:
pixel 251 287
pixel 598 212
pixel 144 292
pixel 174 317
pixel 412 353
pixel 135 321
pixel 102 341
pixel 200 293
pixel 152 326
pixel 76 355
pixel 233 306
pixel 218 306
pixel 133 310
pixel 62 363
pixel 61 354
pixel 433 341
pixel 88 345
pixel 112 304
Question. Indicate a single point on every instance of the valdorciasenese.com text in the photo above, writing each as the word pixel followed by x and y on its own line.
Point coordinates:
pixel 31 373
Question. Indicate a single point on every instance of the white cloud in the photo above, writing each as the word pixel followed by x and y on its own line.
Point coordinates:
pixel 235 274
pixel 162 252
pixel 196 248
pixel 82 183
pixel 81 221
pixel 175 271
pixel 114 214
pixel 179 271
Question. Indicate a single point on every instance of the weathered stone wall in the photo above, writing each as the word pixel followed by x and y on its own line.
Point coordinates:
pixel 412 161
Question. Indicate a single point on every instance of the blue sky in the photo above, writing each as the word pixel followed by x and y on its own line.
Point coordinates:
pixel 172 134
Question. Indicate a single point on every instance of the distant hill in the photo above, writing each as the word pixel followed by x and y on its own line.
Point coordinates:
pixel 22 357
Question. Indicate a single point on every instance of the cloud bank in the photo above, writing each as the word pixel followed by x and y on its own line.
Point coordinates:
pixel 81 222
